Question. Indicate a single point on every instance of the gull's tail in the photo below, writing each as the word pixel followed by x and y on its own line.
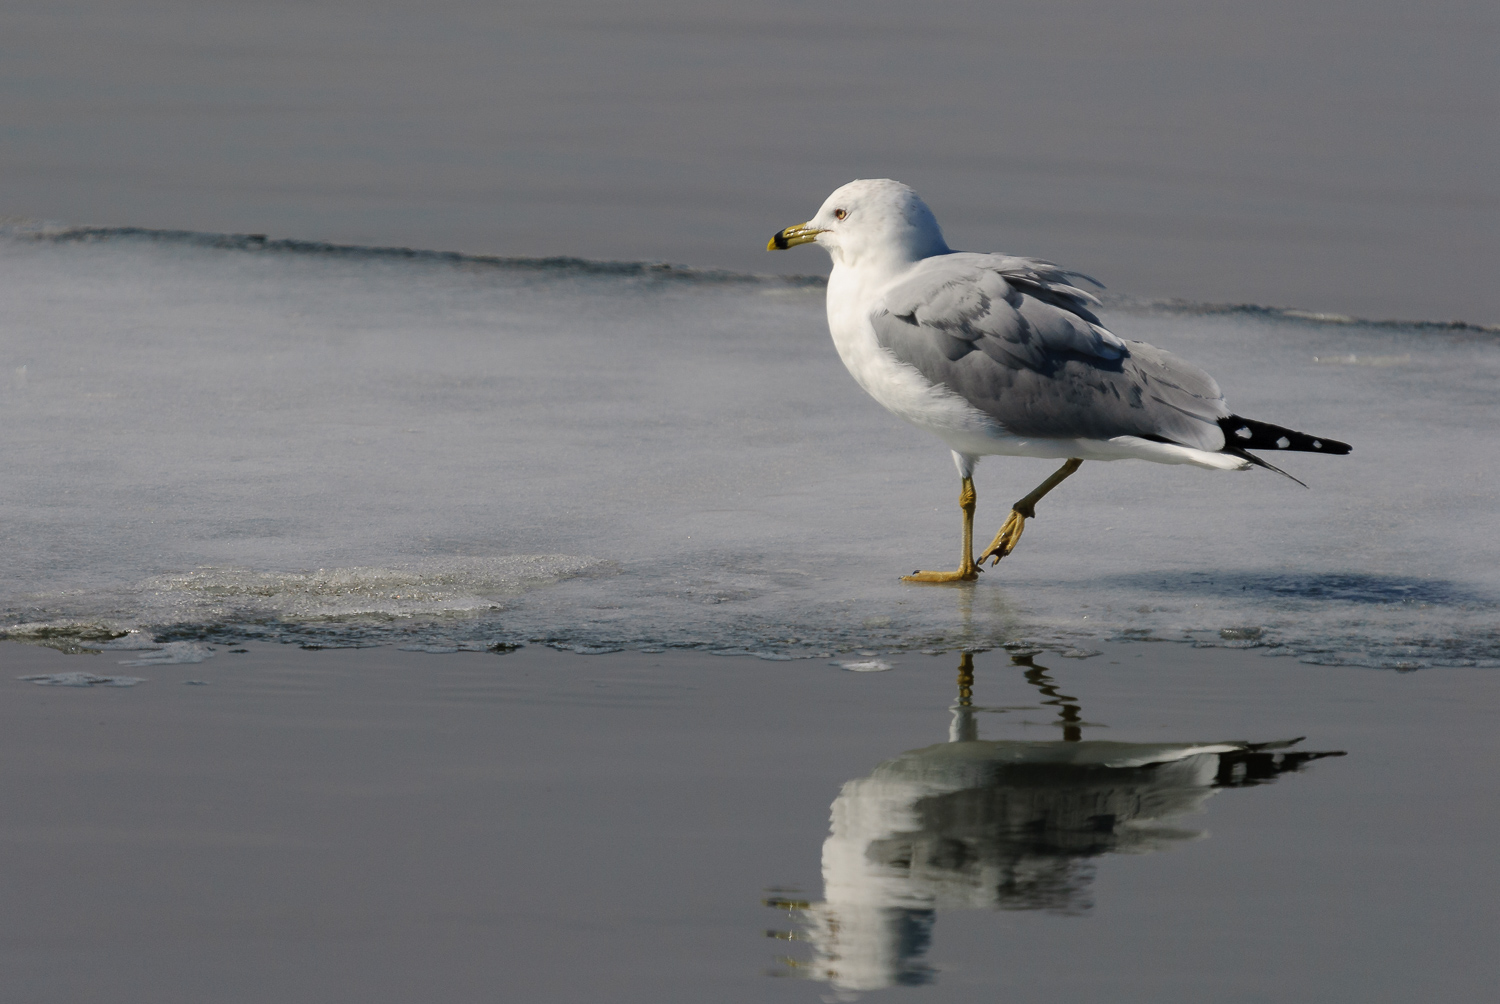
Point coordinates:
pixel 1244 434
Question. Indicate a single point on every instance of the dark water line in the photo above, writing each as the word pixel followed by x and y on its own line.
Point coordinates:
pixel 1289 315
pixel 662 271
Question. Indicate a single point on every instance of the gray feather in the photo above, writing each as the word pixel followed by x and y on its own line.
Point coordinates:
pixel 1016 339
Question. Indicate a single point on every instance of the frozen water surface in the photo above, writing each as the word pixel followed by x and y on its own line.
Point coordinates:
pixel 224 438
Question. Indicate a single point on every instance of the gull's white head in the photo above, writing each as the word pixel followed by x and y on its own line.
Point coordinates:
pixel 875 222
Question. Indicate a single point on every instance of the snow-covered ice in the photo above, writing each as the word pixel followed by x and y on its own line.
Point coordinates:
pixel 211 438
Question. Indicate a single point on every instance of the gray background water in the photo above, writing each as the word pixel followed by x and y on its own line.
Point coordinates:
pixel 1339 156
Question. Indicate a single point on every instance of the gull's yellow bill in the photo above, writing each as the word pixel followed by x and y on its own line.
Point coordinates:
pixel 802 233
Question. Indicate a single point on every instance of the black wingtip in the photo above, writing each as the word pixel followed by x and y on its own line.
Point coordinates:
pixel 1248 434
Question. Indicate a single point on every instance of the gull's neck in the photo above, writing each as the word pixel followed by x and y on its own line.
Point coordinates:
pixel 867 273
pixel 873 263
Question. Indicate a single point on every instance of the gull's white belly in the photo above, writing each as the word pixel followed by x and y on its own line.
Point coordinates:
pixel 903 391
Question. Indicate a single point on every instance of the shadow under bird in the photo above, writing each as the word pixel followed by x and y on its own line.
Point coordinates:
pixel 1003 356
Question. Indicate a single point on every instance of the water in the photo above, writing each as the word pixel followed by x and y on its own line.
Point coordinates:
pixel 214 439
pixel 542 826
pixel 1337 157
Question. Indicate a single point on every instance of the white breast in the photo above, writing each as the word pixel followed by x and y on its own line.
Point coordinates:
pixel 900 388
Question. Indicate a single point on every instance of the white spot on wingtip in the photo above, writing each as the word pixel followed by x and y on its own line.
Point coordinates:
pixel 1283 443
pixel 1243 432
pixel 1317 444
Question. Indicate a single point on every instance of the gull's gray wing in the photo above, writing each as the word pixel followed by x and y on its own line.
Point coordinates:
pixel 1016 339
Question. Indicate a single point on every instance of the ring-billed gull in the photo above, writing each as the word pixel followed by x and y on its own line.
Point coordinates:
pixel 999 355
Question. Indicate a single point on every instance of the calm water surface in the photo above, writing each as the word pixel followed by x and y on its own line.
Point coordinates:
pixel 378 825
pixel 1337 157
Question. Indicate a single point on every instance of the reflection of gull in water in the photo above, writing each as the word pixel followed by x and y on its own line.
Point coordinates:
pixel 1006 825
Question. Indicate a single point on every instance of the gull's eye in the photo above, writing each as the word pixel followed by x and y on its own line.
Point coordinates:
pixel 840 214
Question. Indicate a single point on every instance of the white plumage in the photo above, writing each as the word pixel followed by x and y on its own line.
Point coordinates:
pixel 1001 355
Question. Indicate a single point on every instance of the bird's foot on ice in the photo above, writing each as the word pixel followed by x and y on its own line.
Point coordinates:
pixel 967 572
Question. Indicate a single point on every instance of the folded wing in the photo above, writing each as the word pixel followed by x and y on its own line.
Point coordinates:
pixel 1019 341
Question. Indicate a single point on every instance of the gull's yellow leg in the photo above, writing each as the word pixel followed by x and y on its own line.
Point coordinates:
pixel 967 570
pixel 1010 534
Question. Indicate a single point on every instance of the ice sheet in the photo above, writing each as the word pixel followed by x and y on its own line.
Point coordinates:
pixel 211 437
